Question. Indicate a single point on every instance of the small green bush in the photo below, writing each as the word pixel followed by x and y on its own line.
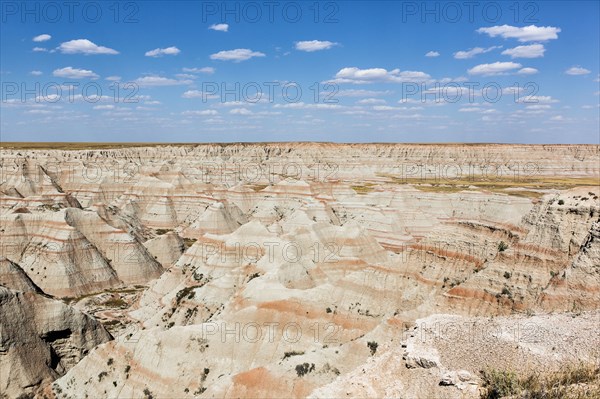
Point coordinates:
pixel 372 346
pixel 502 246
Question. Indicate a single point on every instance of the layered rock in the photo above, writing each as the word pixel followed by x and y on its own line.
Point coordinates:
pixel 330 252
pixel 40 339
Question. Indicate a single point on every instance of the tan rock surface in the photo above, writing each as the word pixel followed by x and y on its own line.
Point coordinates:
pixel 187 252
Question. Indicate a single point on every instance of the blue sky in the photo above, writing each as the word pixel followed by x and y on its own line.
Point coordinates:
pixel 353 71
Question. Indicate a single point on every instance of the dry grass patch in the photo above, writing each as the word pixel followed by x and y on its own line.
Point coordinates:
pixel 363 189
pixel 502 185
pixel 573 381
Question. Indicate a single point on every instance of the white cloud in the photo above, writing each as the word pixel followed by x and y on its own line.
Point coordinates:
pixel 36 73
pixel 113 78
pixel 524 34
pixel 74 73
pixel 235 104
pixel 84 46
pixel 538 106
pixel 527 71
pixel 362 93
pixel 362 76
pixel 200 113
pixel 557 118
pixel 104 107
pixel 462 55
pixel 314 45
pixel 495 68
pixel 219 27
pixel 38 111
pixel 159 52
pixel 40 49
pixel 240 111
pixel 42 38
pixel 538 99
pixel 432 54
pixel 301 105
pixel 531 51
pixel 237 55
pixel 371 101
pixel 185 76
pixel 151 81
pixel 384 108
pixel 207 70
pixel 577 70
pixel 197 94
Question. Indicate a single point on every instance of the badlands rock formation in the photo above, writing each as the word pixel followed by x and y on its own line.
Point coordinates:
pixel 295 270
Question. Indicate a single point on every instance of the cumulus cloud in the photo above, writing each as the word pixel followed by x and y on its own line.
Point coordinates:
pixel 207 70
pixel 206 112
pixel 219 27
pixel 302 105
pixel 237 55
pixel 104 107
pixel 372 101
pixel 538 106
pixel 36 73
pixel 42 38
pixel 496 68
pixel 74 73
pixel 577 70
pixel 462 55
pixel 525 34
pixel 40 49
pixel 531 51
pixel 152 81
pixel 432 54
pixel 84 46
pixel 240 111
pixel 363 93
pixel 314 45
pixel 372 75
pixel 197 94
pixel 113 78
pixel 527 71
pixel 537 99
pixel 159 52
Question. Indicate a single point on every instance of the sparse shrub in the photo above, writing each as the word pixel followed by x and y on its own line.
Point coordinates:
pixel 127 369
pixel 561 202
pixel 506 291
pixel 102 375
pixel 292 353
pixel 502 246
pixel 507 275
pixel 328 310
pixel 499 384
pixel 110 361
pixel 304 368
pixel 115 303
pixel 188 242
pixel 372 346
pixel 148 394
